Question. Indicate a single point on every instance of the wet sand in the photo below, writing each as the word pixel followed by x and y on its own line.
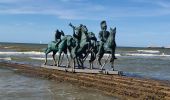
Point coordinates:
pixel 118 86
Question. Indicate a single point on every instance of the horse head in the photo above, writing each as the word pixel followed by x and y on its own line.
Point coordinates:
pixel 113 32
pixel 62 33
pixel 84 29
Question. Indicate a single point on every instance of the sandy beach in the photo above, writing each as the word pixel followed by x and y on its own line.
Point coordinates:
pixel 122 87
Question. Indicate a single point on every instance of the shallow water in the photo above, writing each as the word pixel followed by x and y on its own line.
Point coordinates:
pixel 17 87
pixel 133 61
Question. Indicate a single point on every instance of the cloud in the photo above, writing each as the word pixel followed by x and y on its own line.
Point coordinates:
pixel 69 9
pixel 12 1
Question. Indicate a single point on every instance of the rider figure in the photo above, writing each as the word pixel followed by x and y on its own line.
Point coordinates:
pixel 103 35
pixel 58 36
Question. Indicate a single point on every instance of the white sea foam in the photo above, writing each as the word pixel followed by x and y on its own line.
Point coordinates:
pixel 151 55
pixel 6 58
pixel 30 53
pixel 40 58
pixel 22 53
pixel 149 51
pixel 115 55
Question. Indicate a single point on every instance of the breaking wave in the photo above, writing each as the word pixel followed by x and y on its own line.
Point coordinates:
pixel 34 53
pixel 151 55
pixel 148 51
pixel 22 53
pixel 115 55
pixel 6 58
pixel 40 58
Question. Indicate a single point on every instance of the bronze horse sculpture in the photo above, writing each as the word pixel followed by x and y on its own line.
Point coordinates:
pixel 81 45
pixel 66 43
pixel 109 47
pixel 53 46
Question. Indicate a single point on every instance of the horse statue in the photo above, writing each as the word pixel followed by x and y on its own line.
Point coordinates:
pixel 66 43
pixel 93 48
pixel 109 47
pixel 53 46
pixel 83 45
pixel 66 46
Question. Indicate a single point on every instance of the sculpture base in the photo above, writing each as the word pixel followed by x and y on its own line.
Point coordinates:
pixel 90 71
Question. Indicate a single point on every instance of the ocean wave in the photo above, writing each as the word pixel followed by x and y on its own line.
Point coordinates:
pixel 151 55
pixel 31 53
pixel 149 51
pixel 6 58
pixel 115 55
pixel 40 58
pixel 22 53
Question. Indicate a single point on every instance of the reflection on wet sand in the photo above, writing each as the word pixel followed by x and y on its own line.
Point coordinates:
pixel 18 87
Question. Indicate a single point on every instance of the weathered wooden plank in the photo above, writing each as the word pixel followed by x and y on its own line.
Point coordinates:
pixel 92 71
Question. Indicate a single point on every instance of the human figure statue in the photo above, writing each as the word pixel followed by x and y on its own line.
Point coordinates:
pixel 58 35
pixel 103 36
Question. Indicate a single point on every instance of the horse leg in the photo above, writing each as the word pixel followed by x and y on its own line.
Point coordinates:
pixel 67 58
pixel 113 52
pixel 54 58
pixel 78 63
pixel 73 62
pixel 91 65
pixel 82 63
pixel 112 65
pixel 45 59
pixel 46 53
pixel 99 60
pixel 59 56
pixel 68 62
pixel 92 58
pixel 112 60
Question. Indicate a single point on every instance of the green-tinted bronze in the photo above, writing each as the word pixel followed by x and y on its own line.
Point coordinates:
pixel 93 48
pixel 107 43
pixel 58 35
pixel 66 43
pixel 80 34
pixel 83 43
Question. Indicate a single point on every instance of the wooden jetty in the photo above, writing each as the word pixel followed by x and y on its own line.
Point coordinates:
pixel 89 71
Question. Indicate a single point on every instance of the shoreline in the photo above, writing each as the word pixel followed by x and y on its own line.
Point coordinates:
pixel 122 87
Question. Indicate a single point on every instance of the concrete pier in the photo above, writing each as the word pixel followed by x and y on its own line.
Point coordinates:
pixel 90 71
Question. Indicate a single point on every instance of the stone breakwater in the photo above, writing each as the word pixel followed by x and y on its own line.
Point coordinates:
pixel 119 86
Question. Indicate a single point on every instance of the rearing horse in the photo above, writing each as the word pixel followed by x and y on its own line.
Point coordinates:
pixel 109 47
pixel 80 52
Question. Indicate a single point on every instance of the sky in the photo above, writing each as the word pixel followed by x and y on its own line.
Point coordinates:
pixel 138 22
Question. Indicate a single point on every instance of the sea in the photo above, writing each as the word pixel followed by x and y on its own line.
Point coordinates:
pixel 140 62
